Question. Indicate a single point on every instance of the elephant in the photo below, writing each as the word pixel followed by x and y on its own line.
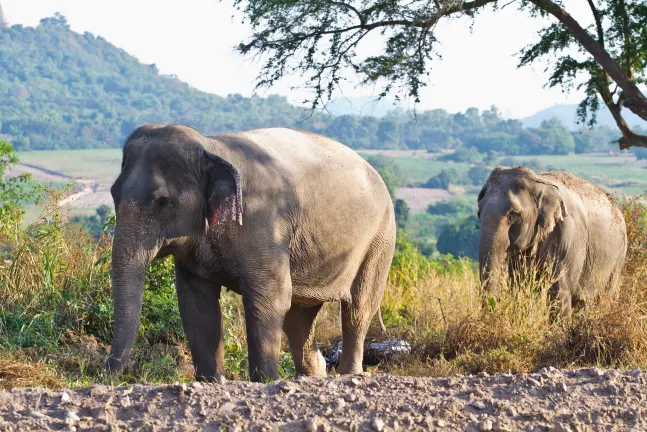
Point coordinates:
pixel 287 219
pixel 557 217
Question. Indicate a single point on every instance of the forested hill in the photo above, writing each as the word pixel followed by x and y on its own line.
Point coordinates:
pixel 61 89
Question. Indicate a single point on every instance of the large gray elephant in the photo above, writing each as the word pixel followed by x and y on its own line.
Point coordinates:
pixel 287 219
pixel 553 216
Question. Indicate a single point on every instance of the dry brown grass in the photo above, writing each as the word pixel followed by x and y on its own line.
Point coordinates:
pixel 20 373
pixel 457 328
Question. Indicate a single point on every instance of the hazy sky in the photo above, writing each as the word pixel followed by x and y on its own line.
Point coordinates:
pixel 194 40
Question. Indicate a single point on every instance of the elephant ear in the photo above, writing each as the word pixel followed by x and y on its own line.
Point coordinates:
pixel 223 191
pixel 552 209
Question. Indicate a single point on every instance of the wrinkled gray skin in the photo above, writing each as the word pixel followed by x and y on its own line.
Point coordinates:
pixel 554 216
pixel 288 219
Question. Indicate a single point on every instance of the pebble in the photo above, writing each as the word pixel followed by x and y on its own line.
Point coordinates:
pixel 222 380
pixel 350 397
pixel 485 426
pixel 377 424
pixel 227 408
pixel 561 387
pixel 355 382
pixel 479 405
pixel 441 423
pixel 511 411
pixel 339 404
pixel 71 416
pixel 611 374
pixel 311 425
pixel 534 382
pixel 286 387
pixel 37 414
pixel 560 427
pixel 197 385
pixel 65 397
pixel 595 372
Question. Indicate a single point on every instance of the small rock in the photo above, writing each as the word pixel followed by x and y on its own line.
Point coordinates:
pixel 561 387
pixel 37 414
pixel 595 372
pixel 511 411
pixel 483 374
pixel 350 397
pixel 501 427
pixel 339 404
pixel 377 424
pixel 183 387
pixel 534 382
pixel 560 427
pixel 311 425
pixel 479 405
pixel 355 382
pixel 441 423
pixel 611 374
pixel 222 380
pixel 226 408
pixel 71 416
pixel 197 385
pixel 65 397
pixel 486 426
pixel 286 387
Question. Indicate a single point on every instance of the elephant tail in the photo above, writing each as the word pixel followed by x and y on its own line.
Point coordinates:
pixel 379 317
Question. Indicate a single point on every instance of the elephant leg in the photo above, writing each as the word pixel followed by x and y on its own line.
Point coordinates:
pixel 266 304
pixel 299 326
pixel 563 300
pixel 366 295
pixel 199 303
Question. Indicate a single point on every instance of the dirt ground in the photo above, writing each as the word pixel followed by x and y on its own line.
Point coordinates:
pixel 551 400
pixel 418 199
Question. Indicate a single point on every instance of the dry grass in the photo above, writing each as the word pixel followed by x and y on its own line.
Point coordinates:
pixel 20 373
pixel 56 314
pixel 457 328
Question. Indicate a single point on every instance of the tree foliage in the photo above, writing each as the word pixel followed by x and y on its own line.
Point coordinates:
pixel 14 191
pixel 318 39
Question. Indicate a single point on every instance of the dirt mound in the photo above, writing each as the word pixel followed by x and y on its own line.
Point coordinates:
pixel 585 399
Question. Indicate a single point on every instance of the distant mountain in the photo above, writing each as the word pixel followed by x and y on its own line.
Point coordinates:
pixel 567 115
pixel 61 89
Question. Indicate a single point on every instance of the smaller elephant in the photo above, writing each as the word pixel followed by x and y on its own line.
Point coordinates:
pixel 552 216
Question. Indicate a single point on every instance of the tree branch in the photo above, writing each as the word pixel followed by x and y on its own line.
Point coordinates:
pixel 636 101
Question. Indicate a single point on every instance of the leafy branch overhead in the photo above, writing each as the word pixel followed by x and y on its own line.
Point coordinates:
pixel 318 40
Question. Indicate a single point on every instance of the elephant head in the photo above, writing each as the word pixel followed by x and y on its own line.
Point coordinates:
pixel 169 191
pixel 518 210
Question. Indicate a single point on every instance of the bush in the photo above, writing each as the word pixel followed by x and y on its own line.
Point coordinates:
pixel 461 238
pixel 443 179
pixel 464 154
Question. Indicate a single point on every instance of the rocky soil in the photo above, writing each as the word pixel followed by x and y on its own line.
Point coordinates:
pixel 551 400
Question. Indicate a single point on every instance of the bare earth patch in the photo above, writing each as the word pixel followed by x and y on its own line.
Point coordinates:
pixel 418 199
pixel 552 400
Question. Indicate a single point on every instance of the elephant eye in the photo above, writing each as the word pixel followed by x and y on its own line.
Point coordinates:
pixel 513 216
pixel 163 201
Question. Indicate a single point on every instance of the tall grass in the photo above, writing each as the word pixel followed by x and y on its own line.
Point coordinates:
pixel 56 311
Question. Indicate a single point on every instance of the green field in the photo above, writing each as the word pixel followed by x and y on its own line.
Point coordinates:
pixel 617 174
pixel 100 165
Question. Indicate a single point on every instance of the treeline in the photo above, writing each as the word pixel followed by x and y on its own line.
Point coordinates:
pixel 61 89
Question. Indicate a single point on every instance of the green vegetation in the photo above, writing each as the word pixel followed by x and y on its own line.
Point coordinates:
pixel 64 90
pixel 56 308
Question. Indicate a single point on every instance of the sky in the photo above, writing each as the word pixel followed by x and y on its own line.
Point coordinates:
pixel 194 40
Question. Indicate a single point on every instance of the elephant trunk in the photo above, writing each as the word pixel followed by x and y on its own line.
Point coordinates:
pixel 493 253
pixel 130 259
